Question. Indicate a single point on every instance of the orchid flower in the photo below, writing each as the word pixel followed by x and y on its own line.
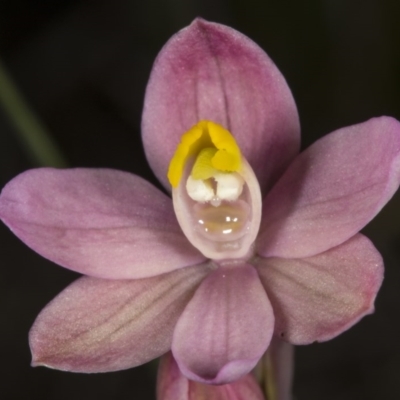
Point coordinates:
pixel 216 272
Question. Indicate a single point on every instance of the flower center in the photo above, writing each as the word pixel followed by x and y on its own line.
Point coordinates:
pixel 216 196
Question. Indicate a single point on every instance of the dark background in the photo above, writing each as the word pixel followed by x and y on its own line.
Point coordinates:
pixel 83 66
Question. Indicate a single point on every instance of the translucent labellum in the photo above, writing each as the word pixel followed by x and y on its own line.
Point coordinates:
pixel 215 193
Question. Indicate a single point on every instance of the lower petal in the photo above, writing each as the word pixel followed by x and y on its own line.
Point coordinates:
pixel 319 297
pixel 172 385
pixel 98 325
pixel 225 328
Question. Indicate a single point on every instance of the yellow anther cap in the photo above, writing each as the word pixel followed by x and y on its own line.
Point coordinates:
pixel 214 148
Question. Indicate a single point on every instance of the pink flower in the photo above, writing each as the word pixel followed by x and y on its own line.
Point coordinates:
pixel 307 277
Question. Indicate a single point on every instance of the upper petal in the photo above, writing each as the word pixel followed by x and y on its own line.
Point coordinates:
pixel 172 385
pixel 317 298
pixel 99 222
pixel 332 190
pixel 98 325
pixel 225 328
pixel 210 71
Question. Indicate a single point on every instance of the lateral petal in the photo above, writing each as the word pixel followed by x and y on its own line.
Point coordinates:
pixel 317 298
pixel 99 222
pixel 332 190
pixel 225 328
pixel 98 325
pixel 209 71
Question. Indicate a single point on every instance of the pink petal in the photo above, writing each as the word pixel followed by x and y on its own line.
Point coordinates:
pixel 225 328
pixel 210 71
pixel 98 325
pixel 332 190
pixel 172 385
pixel 99 222
pixel 317 298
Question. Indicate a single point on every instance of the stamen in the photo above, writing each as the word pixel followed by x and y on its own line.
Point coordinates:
pixel 199 190
pixel 229 186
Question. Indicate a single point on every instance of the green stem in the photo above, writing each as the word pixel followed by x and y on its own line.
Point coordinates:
pixel 266 376
pixel 36 139
pixel 270 379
